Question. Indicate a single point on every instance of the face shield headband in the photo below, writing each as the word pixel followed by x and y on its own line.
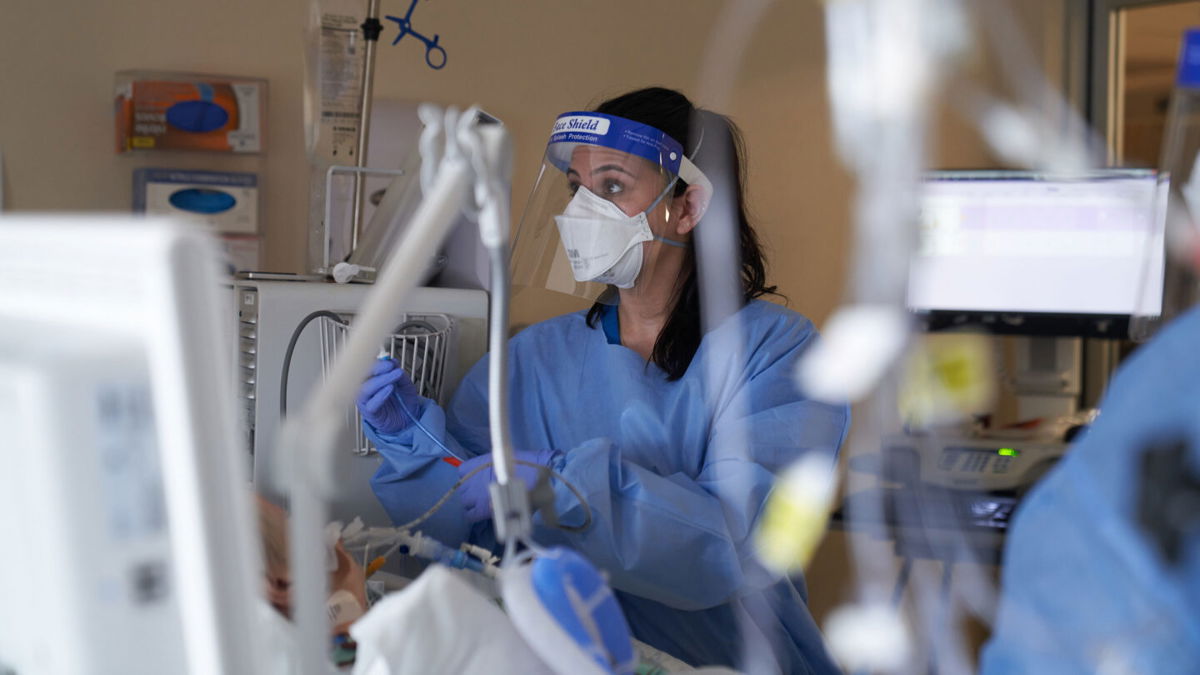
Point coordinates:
pixel 572 129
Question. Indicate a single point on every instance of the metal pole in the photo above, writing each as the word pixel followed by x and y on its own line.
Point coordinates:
pixel 371 29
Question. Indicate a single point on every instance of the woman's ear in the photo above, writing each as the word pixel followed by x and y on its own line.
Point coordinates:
pixel 691 206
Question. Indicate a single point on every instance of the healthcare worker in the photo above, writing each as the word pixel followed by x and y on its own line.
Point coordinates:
pixel 673 462
pixel 1102 565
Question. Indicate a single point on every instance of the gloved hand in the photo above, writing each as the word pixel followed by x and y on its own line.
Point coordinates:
pixel 474 492
pixel 379 399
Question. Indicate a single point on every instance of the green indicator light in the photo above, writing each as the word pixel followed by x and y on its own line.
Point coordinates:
pixel 1009 452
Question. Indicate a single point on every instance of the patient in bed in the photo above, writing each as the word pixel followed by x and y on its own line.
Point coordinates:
pixel 347 583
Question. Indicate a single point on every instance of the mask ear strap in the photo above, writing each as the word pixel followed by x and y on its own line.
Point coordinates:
pixel 659 198
pixel 664 193
pixel 672 242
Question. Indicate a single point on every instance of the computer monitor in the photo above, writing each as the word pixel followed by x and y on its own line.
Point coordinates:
pixel 125 512
pixel 1026 253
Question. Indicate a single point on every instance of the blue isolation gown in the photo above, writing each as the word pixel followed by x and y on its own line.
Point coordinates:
pixel 673 487
pixel 1087 585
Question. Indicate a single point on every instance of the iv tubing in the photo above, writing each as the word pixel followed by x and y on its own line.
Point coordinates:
pixel 416 422
pixel 498 366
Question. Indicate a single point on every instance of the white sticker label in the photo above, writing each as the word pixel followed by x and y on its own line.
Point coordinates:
pixel 585 123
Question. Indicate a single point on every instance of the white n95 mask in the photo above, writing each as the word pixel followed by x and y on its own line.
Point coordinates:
pixel 602 243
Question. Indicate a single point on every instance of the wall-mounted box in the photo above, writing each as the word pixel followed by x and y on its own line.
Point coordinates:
pixel 225 201
pixel 181 111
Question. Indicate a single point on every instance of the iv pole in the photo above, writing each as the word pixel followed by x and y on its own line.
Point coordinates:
pixel 371 28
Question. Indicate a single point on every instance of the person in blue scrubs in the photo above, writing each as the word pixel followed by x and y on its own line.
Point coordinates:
pixel 1102 565
pixel 673 461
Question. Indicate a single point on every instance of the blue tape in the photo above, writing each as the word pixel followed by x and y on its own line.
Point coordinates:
pixel 610 131
pixel 1189 60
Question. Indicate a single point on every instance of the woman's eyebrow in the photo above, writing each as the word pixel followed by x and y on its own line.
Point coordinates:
pixel 612 167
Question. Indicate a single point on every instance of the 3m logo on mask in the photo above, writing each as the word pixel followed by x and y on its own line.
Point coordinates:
pixel 591 125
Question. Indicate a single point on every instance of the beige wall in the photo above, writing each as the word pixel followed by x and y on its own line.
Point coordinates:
pixel 57 61
pixel 524 61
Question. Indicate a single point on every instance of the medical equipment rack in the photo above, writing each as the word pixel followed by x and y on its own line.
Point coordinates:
pixel 418 345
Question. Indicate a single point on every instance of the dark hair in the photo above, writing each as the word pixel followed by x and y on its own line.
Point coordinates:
pixel 672 113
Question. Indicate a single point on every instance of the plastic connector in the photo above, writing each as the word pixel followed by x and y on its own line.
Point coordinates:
pixel 344 273
pixel 510 509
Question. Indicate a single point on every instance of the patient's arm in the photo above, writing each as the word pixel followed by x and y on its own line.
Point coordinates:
pixel 277 577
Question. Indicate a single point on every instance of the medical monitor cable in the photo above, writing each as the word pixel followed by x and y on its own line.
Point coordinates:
pixel 587 523
pixel 510 550
pixel 291 347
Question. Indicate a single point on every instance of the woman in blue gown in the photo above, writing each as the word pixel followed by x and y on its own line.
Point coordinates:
pixel 672 439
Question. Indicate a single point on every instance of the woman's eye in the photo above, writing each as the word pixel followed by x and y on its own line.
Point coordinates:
pixel 612 188
pixel 573 187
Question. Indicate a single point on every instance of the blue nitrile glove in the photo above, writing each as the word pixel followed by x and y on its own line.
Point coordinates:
pixel 474 492
pixel 384 396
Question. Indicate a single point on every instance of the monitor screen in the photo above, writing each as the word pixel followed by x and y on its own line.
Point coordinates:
pixel 1022 252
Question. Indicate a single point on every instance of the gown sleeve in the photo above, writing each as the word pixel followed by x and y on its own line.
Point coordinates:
pixel 412 476
pixel 683 539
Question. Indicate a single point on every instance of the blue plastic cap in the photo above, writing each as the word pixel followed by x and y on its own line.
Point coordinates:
pixel 1189 60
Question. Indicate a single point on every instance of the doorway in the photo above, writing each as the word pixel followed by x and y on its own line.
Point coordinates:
pixel 1135 50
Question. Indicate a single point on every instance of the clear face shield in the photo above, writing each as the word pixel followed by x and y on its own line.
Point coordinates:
pixel 602 214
